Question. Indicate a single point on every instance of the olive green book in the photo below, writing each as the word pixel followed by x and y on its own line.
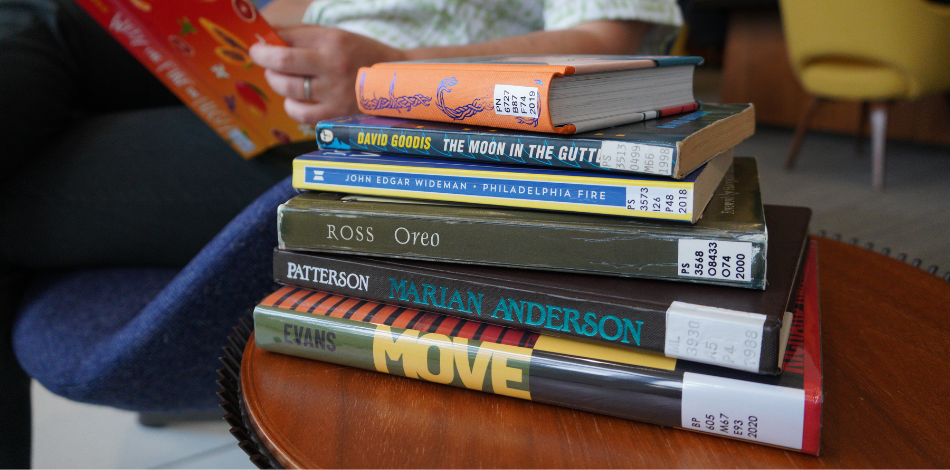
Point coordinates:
pixel 727 246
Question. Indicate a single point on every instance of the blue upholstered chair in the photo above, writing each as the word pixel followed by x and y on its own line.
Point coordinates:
pixel 148 339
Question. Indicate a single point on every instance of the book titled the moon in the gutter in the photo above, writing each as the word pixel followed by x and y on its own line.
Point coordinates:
pixel 671 146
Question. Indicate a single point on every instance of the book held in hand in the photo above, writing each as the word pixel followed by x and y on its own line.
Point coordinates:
pixel 621 194
pixel 561 94
pixel 199 50
pixel 668 146
pixel 780 410
pixel 727 246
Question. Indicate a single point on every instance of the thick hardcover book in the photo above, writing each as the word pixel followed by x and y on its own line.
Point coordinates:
pixel 727 246
pixel 781 410
pixel 632 313
pixel 621 194
pixel 670 146
pixel 199 50
pixel 543 93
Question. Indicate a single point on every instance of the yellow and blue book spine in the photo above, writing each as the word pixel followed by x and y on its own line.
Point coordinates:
pixel 512 186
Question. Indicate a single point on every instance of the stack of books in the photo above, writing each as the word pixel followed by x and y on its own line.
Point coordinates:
pixel 505 240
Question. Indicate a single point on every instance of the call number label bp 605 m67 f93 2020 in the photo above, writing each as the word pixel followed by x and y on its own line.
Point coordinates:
pixel 740 409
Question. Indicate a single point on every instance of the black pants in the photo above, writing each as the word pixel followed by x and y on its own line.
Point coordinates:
pixel 99 165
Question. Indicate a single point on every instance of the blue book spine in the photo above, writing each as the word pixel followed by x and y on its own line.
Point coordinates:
pixel 574 191
pixel 606 150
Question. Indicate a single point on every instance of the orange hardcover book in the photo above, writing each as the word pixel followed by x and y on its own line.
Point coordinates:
pixel 561 94
pixel 199 50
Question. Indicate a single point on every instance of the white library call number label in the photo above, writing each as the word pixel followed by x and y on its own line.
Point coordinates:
pixel 711 259
pixel 674 201
pixel 713 335
pixel 629 156
pixel 514 100
pixel 743 410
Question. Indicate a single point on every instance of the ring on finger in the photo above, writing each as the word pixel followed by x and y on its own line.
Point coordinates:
pixel 306 89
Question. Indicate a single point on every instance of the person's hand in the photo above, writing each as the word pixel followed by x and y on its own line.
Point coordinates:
pixel 329 58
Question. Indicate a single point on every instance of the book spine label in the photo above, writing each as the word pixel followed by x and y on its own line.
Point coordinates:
pixel 547 151
pixel 715 336
pixel 714 259
pixel 547 247
pixel 460 96
pixel 449 351
pixel 739 409
pixel 669 200
pixel 479 299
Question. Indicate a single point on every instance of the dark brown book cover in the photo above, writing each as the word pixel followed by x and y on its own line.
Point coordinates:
pixel 661 316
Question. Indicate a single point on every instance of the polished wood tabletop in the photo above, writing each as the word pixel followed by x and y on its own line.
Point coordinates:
pixel 886 356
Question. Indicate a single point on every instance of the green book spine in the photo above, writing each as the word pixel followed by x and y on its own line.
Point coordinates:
pixel 727 246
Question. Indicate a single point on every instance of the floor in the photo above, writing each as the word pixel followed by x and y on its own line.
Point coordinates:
pixel 67 434
pixel 909 217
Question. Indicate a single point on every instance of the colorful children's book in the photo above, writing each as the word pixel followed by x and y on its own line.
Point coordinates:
pixel 199 50
pixel 561 94
pixel 781 410
pixel 668 146
pixel 621 194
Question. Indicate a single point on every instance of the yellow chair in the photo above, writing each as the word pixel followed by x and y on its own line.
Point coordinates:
pixel 871 51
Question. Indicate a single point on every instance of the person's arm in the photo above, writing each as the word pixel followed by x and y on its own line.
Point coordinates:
pixel 280 13
pixel 592 37
pixel 331 58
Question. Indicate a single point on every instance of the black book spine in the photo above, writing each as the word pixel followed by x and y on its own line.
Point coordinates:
pixel 544 312
pixel 542 150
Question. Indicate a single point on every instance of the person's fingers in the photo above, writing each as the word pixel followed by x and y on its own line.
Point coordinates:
pixel 293 86
pixel 287 60
pixel 312 113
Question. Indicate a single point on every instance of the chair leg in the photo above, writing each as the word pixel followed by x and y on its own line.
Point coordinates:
pixel 16 425
pixel 862 123
pixel 800 132
pixel 878 139
pixel 159 419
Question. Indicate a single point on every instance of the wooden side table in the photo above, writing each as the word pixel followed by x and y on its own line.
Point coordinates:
pixel 886 353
